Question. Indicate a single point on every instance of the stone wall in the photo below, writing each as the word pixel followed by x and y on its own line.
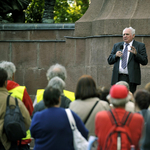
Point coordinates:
pixel 33 50
pixel 110 17
pixel 83 47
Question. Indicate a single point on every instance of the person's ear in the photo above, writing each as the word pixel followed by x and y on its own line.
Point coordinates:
pixel 5 84
pixel 59 100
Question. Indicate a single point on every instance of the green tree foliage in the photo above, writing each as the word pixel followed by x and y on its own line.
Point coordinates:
pixel 34 12
pixel 65 11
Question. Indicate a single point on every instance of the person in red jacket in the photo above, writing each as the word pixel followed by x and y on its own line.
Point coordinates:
pixel 19 92
pixel 118 96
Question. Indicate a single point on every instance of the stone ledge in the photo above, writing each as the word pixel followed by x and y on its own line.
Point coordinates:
pixel 101 36
pixel 31 26
pixel 31 41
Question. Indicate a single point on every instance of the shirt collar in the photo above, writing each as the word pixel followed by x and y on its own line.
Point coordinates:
pixel 129 43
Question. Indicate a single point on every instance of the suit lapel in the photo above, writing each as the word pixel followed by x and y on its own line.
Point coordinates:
pixel 131 54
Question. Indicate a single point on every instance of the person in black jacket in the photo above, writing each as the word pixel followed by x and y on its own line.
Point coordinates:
pixel 127 56
pixel 142 101
pixel 59 84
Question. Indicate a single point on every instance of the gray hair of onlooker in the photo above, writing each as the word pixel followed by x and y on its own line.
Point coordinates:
pixel 132 30
pixel 118 95
pixel 56 70
pixel 147 87
pixel 123 83
pixel 9 67
pixel 57 83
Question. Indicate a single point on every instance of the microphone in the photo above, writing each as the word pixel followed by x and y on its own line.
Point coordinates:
pixel 121 48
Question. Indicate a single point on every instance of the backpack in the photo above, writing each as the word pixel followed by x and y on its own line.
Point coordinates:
pixel 14 125
pixel 119 136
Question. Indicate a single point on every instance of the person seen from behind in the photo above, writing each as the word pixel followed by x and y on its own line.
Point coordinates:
pixel 142 101
pixel 5 144
pixel 51 128
pixel 19 92
pixel 55 70
pixel 129 106
pixel 87 103
pixel 106 123
pixel 59 84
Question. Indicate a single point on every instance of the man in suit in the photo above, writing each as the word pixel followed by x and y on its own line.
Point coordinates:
pixel 127 57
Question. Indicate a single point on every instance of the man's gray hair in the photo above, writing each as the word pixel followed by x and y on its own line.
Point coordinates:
pixel 56 70
pixel 57 83
pixel 132 30
pixel 9 67
pixel 123 83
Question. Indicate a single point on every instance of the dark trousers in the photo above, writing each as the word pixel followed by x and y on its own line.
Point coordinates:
pixel 14 146
pixel 124 77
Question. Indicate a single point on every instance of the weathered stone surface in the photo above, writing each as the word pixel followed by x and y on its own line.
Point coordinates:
pixel 60 52
pixel 46 55
pixel 42 35
pixel 88 48
pixel 70 52
pixel 80 52
pixel 24 55
pixel 60 34
pixel 146 41
pixel 35 79
pixel 145 73
pixel 110 17
pixel 14 35
pixel 73 74
pixel 19 76
pixel 104 74
pixel 5 51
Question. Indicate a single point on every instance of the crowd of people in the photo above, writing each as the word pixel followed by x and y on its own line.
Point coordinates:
pixel 47 121
pixel 117 115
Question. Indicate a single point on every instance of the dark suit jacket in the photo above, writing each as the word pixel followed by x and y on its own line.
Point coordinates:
pixel 134 62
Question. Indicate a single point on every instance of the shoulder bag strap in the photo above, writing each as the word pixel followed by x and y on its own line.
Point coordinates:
pixel 90 112
pixel 71 119
pixel 119 135
pixel 126 118
pixel 113 117
pixel 8 100
pixel 16 101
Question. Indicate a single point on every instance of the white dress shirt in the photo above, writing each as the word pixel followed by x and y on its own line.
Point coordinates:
pixel 121 70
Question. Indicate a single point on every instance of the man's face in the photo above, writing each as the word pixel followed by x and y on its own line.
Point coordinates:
pixel 127 36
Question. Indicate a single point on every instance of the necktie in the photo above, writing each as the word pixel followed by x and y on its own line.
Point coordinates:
pixel 124 57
